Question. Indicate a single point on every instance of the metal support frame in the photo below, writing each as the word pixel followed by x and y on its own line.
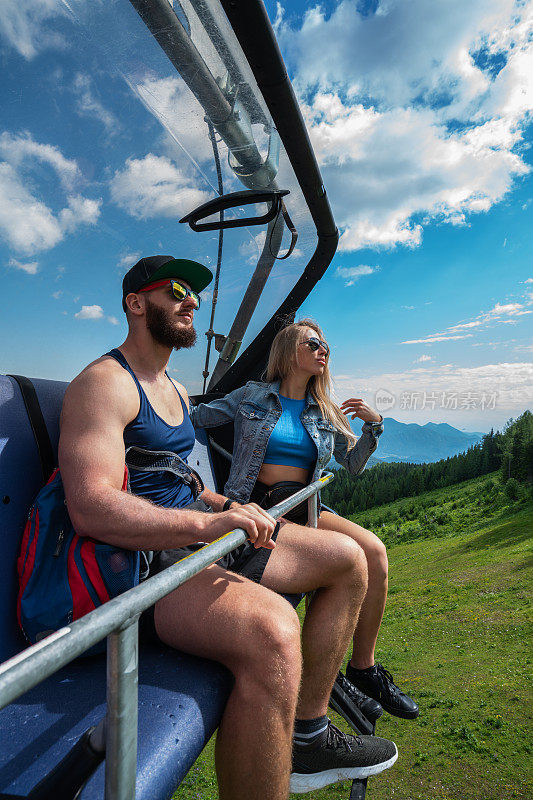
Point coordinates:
pixel 312 510
pixel 122 712
pixel 118 621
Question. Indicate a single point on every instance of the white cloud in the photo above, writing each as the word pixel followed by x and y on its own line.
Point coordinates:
pixel 31 267
pixel 408 128
pixel 353 274
pixel 529 280
pixel 154 186
pixel 488 319
pixel 513 383
pixel 24 25
pixel 508 308
pixel 252 247
pixel 80 211
pixel 423 358
pixel 402 164
pixel 18 150
pixel 128 260
pixel 26 221
pixel 94 312
pixel 57 295
pixel 436 338
pixel 180 113
pixel 89 105
pixel 90 312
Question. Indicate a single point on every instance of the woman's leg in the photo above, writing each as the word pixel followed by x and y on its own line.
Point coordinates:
pixel 371 614
pixel 370 678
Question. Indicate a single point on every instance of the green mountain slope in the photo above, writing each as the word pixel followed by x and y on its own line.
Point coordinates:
pixel 456 635
pixel 447 511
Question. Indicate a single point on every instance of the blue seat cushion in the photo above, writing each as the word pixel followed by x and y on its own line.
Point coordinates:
pixel 181 700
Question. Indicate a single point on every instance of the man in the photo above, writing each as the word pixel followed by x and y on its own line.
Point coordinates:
pixel 231 611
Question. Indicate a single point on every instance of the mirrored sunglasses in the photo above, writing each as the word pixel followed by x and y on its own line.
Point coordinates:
pixel 179 291
pixel 314 343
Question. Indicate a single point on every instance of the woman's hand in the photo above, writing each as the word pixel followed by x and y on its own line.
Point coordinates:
pixel 358 408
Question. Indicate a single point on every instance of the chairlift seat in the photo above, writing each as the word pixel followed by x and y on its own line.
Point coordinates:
pixel 181 698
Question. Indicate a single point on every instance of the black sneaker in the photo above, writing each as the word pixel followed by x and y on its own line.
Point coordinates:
pixel 338 757
pixel 378 683
pixel 359 711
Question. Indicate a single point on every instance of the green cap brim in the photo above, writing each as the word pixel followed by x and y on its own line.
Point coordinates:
pixel 196 275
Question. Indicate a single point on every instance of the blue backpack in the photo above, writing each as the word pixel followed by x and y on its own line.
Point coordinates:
pixel 63 576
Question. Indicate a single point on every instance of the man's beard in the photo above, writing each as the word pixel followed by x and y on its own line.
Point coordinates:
pixel 163 331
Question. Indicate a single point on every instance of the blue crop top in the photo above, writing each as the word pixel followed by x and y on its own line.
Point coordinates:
pixel 289 443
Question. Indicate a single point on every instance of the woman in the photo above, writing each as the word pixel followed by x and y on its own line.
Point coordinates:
pixel 286 432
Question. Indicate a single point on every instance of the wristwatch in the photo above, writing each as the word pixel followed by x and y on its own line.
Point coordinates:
pixel 375 428
pixel 227 504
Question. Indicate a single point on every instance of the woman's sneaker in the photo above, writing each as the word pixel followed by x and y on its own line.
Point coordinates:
pixel 359 711
pixel 378 683
pixel 335 756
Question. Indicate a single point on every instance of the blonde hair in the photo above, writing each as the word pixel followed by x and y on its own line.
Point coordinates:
pixel 283 355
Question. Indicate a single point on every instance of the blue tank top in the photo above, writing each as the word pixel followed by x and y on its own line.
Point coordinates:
pixel 148 430
pixel 289 443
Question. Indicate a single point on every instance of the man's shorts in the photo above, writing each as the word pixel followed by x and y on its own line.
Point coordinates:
pixel 245 560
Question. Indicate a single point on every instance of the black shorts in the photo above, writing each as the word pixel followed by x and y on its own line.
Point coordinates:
pixel 268 496
pixel 245 560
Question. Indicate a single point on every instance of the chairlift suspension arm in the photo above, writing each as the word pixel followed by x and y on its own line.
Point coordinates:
pixel 172 37
pixel 211 332
pixel 251 298
pixel 204 10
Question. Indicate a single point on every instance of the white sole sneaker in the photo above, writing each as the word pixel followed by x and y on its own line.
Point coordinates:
pixel 302 783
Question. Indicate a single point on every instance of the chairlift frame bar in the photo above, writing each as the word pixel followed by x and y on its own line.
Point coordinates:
pixel 255 34
pixel 165 26
pixel 118 620
pixel 251 25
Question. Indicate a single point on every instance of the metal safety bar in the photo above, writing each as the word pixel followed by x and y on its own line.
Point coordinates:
pixel 118 621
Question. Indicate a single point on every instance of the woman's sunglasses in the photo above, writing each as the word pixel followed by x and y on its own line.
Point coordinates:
pixel 179 291
pixel 314 343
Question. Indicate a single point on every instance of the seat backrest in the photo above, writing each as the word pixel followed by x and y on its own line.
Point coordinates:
pixel 21 479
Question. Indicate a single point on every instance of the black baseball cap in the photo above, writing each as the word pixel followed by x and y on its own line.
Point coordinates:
pixel 155 268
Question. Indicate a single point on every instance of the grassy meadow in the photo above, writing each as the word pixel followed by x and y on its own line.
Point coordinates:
pixel 457 636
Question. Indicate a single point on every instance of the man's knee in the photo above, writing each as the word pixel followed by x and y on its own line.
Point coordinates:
pixel 270 652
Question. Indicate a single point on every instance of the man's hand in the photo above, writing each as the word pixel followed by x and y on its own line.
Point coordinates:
pixel 358 408
pixel 257 523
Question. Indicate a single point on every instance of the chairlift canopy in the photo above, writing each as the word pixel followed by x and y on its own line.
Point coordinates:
pixel 134 113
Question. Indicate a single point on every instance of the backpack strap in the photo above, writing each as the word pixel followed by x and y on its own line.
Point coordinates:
pixel 142 460
pixel 38 425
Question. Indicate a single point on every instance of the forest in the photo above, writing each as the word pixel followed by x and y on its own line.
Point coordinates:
pixel 510 452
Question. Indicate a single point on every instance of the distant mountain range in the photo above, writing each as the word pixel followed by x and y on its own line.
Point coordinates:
pixel 418 443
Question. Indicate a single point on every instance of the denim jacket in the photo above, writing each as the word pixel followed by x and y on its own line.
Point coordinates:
pixel 254 409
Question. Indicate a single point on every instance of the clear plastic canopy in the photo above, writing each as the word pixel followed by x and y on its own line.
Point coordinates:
pixel 113 127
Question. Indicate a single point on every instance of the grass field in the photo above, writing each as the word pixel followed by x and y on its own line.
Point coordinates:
pixel 457 636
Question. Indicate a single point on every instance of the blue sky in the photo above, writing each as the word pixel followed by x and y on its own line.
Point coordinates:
pixel 420 115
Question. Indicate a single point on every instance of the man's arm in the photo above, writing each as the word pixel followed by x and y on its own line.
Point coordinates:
pixel 98 405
